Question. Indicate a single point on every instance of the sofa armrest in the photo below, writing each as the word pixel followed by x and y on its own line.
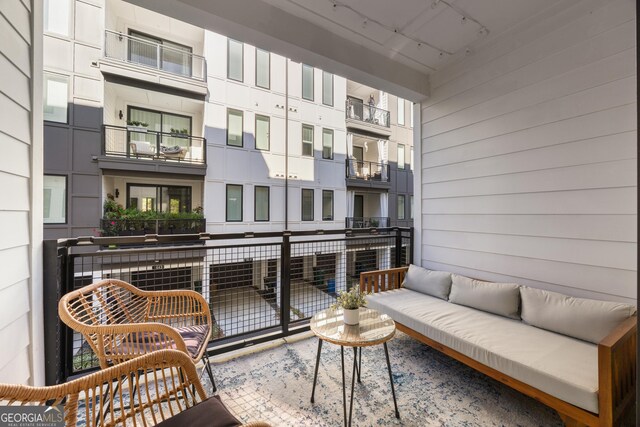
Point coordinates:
pixel 382 280
pixel 617 372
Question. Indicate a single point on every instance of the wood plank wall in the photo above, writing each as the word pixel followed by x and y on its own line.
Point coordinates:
pixel 529 155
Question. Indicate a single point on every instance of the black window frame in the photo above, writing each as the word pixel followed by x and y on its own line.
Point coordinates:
pixel 66 200
pixel 45 73
pixel 268 87
pixel 404 207
pixel 332 205
pixel 332 89
pixel 255 133
pixel 159 40
pixel 158 188
pixel 151 110
pixel 302 139
pixel 229 40
pixel 241 130
pixel 302 191
pixel 312 83
pixel 333 136
pixel 404 156
pixel 226 203
pixel 255 204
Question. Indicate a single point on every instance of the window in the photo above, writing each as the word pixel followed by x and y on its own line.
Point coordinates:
pixel 263 64
pixel 411 116
pixel 307 140
pixel 262 132
pixel 261 203
pixel 235 62
pixel 234 203
pixel 400 111
pixel 159 198
pixel 327 144
pixel 234 128
pixel 411 206
pixel 327 205
pixel 307 82
pixel 159 53
pixel 401 207
pixel 56 97
pixel 56 16
pixel 307 205
pixel 159 121
pixel 327 88
pixel 411 159
pixel 401 164
pixel 55 199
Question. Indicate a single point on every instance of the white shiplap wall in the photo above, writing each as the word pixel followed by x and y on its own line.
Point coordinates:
pixel 20 194
pixel 529 156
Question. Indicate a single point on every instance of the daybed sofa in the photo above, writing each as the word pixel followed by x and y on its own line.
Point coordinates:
pixel 575 355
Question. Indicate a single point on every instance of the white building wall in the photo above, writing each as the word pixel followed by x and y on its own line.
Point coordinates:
pixel 21 358
pixel 249 167
pixel 529 156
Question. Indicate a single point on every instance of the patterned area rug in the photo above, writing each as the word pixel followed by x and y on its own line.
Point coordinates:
pixel 274 385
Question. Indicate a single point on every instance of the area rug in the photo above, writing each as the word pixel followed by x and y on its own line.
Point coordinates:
pixel 274 385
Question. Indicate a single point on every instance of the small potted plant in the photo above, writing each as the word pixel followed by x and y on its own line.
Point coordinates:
pixel 137 126
pixel 179 133
pixel 351 301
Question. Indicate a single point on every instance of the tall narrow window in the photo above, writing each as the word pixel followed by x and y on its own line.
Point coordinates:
pixel 400 111
pixel 411 159
pixel 234 203
pixel 56 16
pixel 55 199
pixel 261 203
pixel 327 88
pixel 327 205
pixel 262 132
pixel 56 97
pixel 411 206
pixel 401 164
pixel 411 115
pixel 263 64
pixel 307 140
pixel 401 207
pixel 327 143
pixel 307 82
pixel 235 62
pixel 307 204
pixel 234 127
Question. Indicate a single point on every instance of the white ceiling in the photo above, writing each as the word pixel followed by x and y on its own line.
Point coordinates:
pixel 389 44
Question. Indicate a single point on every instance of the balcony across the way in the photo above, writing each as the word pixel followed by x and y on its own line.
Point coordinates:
pixel 136 142
pixel 367 222
pixel 369 171
pixel 140 227
pixel 358 110
pixel 154 53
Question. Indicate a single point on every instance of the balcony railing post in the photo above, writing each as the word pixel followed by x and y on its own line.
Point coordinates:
pixel 398 248
pixel 411 236
pixel 54 268
pixel 285 282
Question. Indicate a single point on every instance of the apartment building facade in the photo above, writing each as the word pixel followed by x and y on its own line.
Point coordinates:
pixel 159 115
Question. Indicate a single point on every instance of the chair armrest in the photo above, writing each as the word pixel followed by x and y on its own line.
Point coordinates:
pixel 382 280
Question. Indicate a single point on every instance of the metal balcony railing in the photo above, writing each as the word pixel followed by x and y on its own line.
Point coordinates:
pixel 357 110
pixel 367 170
pixel 140 227
pixel 367 222
pixel 135 50
pixel 139 143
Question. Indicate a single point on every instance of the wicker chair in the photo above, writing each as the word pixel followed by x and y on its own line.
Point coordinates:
pixel 167 384
pixel 121 322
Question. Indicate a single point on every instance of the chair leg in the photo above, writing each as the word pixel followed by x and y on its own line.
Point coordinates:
pixel 207 367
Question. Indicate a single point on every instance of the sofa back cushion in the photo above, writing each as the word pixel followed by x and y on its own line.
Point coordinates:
pixel 585 319
pixel 430 282
pixel 497 298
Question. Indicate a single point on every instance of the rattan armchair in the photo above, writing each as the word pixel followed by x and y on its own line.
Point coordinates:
pixel 121 322
pixel 165 382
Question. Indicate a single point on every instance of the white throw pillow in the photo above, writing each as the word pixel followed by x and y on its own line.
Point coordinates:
pixel 496 298
pixel 430 282
pixel 585 319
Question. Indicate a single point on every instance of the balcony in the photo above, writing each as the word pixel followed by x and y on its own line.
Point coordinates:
pixel 367 222
pixel 367 118
pixel 136 148
pixel 140 227
pixel 141 59
pixel 367 174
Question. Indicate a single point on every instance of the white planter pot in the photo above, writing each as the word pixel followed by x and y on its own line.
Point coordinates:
pixel 140 129
pixel 351 317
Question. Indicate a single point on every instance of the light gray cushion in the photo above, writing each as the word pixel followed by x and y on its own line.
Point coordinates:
pixel 430 282
pixel 498 298
pixel 562 366
pixel 585 319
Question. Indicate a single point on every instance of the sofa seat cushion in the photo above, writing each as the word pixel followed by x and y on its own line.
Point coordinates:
pixel 209 413
pixel 561 366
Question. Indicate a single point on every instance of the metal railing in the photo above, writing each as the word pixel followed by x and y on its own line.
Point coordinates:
pixel 146 53
pixel 140 227
pixel 367 222
pixel 135 142
pixel 259 286
pixel 357 110
pixel 367 170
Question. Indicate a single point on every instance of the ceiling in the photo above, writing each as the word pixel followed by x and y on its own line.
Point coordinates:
pixel 391 45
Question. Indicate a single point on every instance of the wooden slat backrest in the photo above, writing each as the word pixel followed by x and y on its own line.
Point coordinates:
pixel 382 280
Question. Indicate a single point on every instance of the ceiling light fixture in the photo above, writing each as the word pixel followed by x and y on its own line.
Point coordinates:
pixel 463 20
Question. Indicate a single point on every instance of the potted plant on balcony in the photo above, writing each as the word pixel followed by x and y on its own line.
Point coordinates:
pixel 179 133
pixel 351 301
pixel 137 126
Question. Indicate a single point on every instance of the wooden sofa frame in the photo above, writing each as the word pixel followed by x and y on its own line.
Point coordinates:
pixel 616 364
